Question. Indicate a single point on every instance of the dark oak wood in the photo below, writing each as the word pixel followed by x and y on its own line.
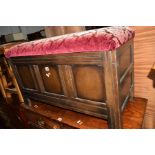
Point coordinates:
pixel 112 89
pixel 37 121
pixel 94 83
pixel 151 74
pixel 41 115
pixel 91 78
pixel 27 77
pixel 10 117
pixel 50 78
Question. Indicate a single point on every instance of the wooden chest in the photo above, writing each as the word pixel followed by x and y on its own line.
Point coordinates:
pixel 95 83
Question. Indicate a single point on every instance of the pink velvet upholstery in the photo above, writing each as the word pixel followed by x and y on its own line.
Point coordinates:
pixel 104 39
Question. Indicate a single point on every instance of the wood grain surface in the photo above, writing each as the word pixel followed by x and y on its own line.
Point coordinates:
pixel 144 57
pixel 132 116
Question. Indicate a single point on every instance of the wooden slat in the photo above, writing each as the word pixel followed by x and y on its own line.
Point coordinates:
pixel 11 90
pixel 72 58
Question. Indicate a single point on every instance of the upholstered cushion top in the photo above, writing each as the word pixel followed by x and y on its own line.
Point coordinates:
pixel 104 39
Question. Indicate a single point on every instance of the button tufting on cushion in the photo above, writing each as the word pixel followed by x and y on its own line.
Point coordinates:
pixel 104 39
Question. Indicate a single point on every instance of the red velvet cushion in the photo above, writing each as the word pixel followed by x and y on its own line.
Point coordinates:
pixel 104 39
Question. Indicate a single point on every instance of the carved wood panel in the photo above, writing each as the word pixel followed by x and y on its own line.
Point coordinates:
pixel 124 59
pixel 51 79
pixel 26 76
pixel 89 81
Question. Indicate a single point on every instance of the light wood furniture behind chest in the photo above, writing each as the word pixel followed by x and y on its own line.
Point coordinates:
pixel 8 83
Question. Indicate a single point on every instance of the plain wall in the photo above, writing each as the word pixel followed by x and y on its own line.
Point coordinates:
pixel 4 30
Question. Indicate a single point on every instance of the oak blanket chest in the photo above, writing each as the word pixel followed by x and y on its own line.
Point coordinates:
pixel 89 72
